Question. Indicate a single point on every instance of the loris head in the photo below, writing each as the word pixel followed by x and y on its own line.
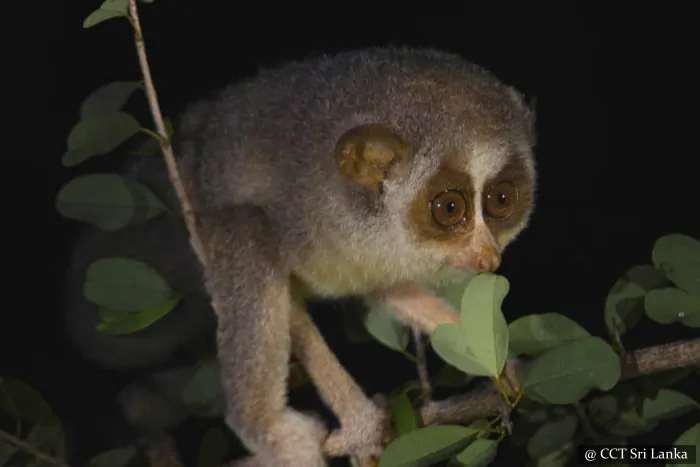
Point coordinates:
pixel 455 187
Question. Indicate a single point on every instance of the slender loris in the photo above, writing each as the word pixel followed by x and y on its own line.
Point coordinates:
pixel 372 173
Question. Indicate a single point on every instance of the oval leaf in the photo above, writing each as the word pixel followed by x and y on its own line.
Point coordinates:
pixel 50 440
pixel 565 374
pixel 678 256
pixel 204 386
pixel 452 291
pixel 552 436
pixel 672 305
pixel 121 6
pixel 403 416
pixel 534 334
pixel 108 98
pixel 479 344
pixel 426 446
pixel 124 284
pixel 118 457
pixel 558 458
pixel 690 437
pixel 129 322
pixel 100 15
pixel 21 401
pixel 108 201
pixel 646 276
pixel 623 308
pixel 98 135
pixel 480 453
pixel 382 326
pixel 667 404
pixel 213 449
pixel 619 419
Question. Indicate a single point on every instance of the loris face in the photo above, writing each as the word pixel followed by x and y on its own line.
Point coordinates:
pixel 473 206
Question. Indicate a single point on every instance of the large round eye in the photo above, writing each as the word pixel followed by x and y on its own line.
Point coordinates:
pixel 500 200
pixel 448 208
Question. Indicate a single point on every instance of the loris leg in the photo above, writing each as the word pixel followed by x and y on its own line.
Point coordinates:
pixel 362 422
pixel 253 305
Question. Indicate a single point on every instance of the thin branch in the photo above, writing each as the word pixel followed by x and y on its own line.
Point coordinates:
pixel 422 365
pixel 485 402
pixel 165 142
pixel 31 450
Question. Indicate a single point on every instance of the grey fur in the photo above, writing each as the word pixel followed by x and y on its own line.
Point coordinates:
pixel 257 162
pixel 258 165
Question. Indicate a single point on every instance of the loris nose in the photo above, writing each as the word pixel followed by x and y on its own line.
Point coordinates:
pixel 489 259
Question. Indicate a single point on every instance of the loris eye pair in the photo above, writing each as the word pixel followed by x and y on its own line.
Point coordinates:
pixel 449 208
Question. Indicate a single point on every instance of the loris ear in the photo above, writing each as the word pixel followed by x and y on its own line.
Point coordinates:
pixel 366 153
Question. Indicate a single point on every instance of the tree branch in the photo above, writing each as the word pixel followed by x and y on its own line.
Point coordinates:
pixel 31 450
pixel 165 143
pixel 484 402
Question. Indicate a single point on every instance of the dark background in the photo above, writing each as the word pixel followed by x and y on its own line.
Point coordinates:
pixel 617 122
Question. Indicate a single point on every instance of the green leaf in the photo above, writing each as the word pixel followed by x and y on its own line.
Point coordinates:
pixel 478 345
pixel 130 322
pixel 453 291
pixel 479 453
pixel 678 256
pixel 535 334
pixel 50 440
pixel 426 446
pixel 382 326
pixel 118 457
pixel 20 400
pixel 121 6
pixel 99 134
pixel 619 419
pixel 623 308
pixel 667 404
pixel 123 284
pixel 108 201
pixel 558 458
pixel 98 16
pixel 565 374
pixel 108 98
pixel 213 449
pixel 403 416
pixel 630 419
pixel 646 276
pixel 151 146
pixel 672 305
pixel 552 435
pixel 204 386
pixel 690 437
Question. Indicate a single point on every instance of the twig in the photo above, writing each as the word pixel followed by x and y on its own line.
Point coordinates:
pixel 422 365
pixel 31 450
pixel 165 143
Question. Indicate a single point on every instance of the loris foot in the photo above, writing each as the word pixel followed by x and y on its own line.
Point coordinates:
pixel 364 430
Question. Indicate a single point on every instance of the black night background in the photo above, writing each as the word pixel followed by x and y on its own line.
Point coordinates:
pixel 615 89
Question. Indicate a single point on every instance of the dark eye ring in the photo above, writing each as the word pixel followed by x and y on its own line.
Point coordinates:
pixel 500 200
pixel 449 208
